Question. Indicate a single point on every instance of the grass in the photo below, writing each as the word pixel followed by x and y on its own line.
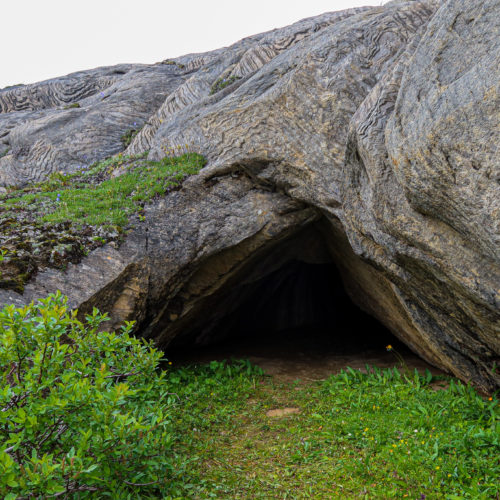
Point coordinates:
pixel 222 83
pixel 110 202
pixel 377 435
pixel 64 218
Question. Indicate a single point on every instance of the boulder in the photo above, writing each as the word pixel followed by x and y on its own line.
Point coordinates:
pixel 365 137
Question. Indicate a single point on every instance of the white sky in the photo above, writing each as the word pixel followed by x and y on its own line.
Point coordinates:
pixel 42 39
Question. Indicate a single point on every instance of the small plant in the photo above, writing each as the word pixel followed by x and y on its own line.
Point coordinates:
pixel 222 83
pixel 4 153
pixel 169 62
pixel 129 136
pixel 83 412
pixel 402 362
pixel 73 105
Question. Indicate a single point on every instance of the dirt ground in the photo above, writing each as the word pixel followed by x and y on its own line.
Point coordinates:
pixel 298 355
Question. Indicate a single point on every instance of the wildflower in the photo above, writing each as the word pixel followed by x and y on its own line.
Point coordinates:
pixel 170 362
pixel 490 399
pixel 389 347
pixel 437 467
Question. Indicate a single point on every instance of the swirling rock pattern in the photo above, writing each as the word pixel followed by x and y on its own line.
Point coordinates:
pixel 371 134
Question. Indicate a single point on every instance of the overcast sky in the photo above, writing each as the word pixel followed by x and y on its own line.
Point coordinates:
pixel 42 39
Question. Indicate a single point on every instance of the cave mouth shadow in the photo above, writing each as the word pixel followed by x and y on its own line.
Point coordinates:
pixel 299 311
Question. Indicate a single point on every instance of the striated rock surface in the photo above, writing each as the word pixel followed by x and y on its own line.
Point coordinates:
pixel 367 137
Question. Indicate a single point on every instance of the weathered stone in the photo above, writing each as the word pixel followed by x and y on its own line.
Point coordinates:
pixel 367 137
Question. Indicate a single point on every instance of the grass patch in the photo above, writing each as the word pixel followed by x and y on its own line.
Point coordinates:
pixel 222 83
pixel 111 201
pixel 169 62
pixel 377 435
pixel 62 219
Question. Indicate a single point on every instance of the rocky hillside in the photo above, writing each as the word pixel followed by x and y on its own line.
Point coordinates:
pixel 367 137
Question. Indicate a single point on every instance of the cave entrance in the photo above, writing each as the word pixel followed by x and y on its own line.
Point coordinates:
pixel 289 312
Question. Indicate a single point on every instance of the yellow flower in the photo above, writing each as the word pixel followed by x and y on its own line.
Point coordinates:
pixel 437 467
pixel 389 347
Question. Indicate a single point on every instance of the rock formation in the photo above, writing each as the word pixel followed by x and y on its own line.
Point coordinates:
pixel 368 137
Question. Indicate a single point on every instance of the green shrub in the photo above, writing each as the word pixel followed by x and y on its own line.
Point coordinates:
pixel 83 413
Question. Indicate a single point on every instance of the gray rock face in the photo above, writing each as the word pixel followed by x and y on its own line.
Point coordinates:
pixel 366 137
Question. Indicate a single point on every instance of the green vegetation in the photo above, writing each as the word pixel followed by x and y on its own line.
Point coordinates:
pixel 80 198
pixel 72 105
pixel 90 415
pixel 57 221
pixel 169 62
pixel 128 137
pixel 114 200
pixel 82 411
pixel 222 83
pixel 4 153
pixel 377 435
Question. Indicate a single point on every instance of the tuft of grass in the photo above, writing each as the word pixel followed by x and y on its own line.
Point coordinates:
pixel 169 62
pixel 222 83
pixel 358 435
pixel 73 105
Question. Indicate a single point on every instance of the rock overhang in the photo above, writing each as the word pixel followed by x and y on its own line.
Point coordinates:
pixel 315 132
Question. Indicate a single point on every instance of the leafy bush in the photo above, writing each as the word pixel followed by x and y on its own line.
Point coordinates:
pixel 83 412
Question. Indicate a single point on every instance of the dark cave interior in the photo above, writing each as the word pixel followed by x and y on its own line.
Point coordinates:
pixel 301 307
